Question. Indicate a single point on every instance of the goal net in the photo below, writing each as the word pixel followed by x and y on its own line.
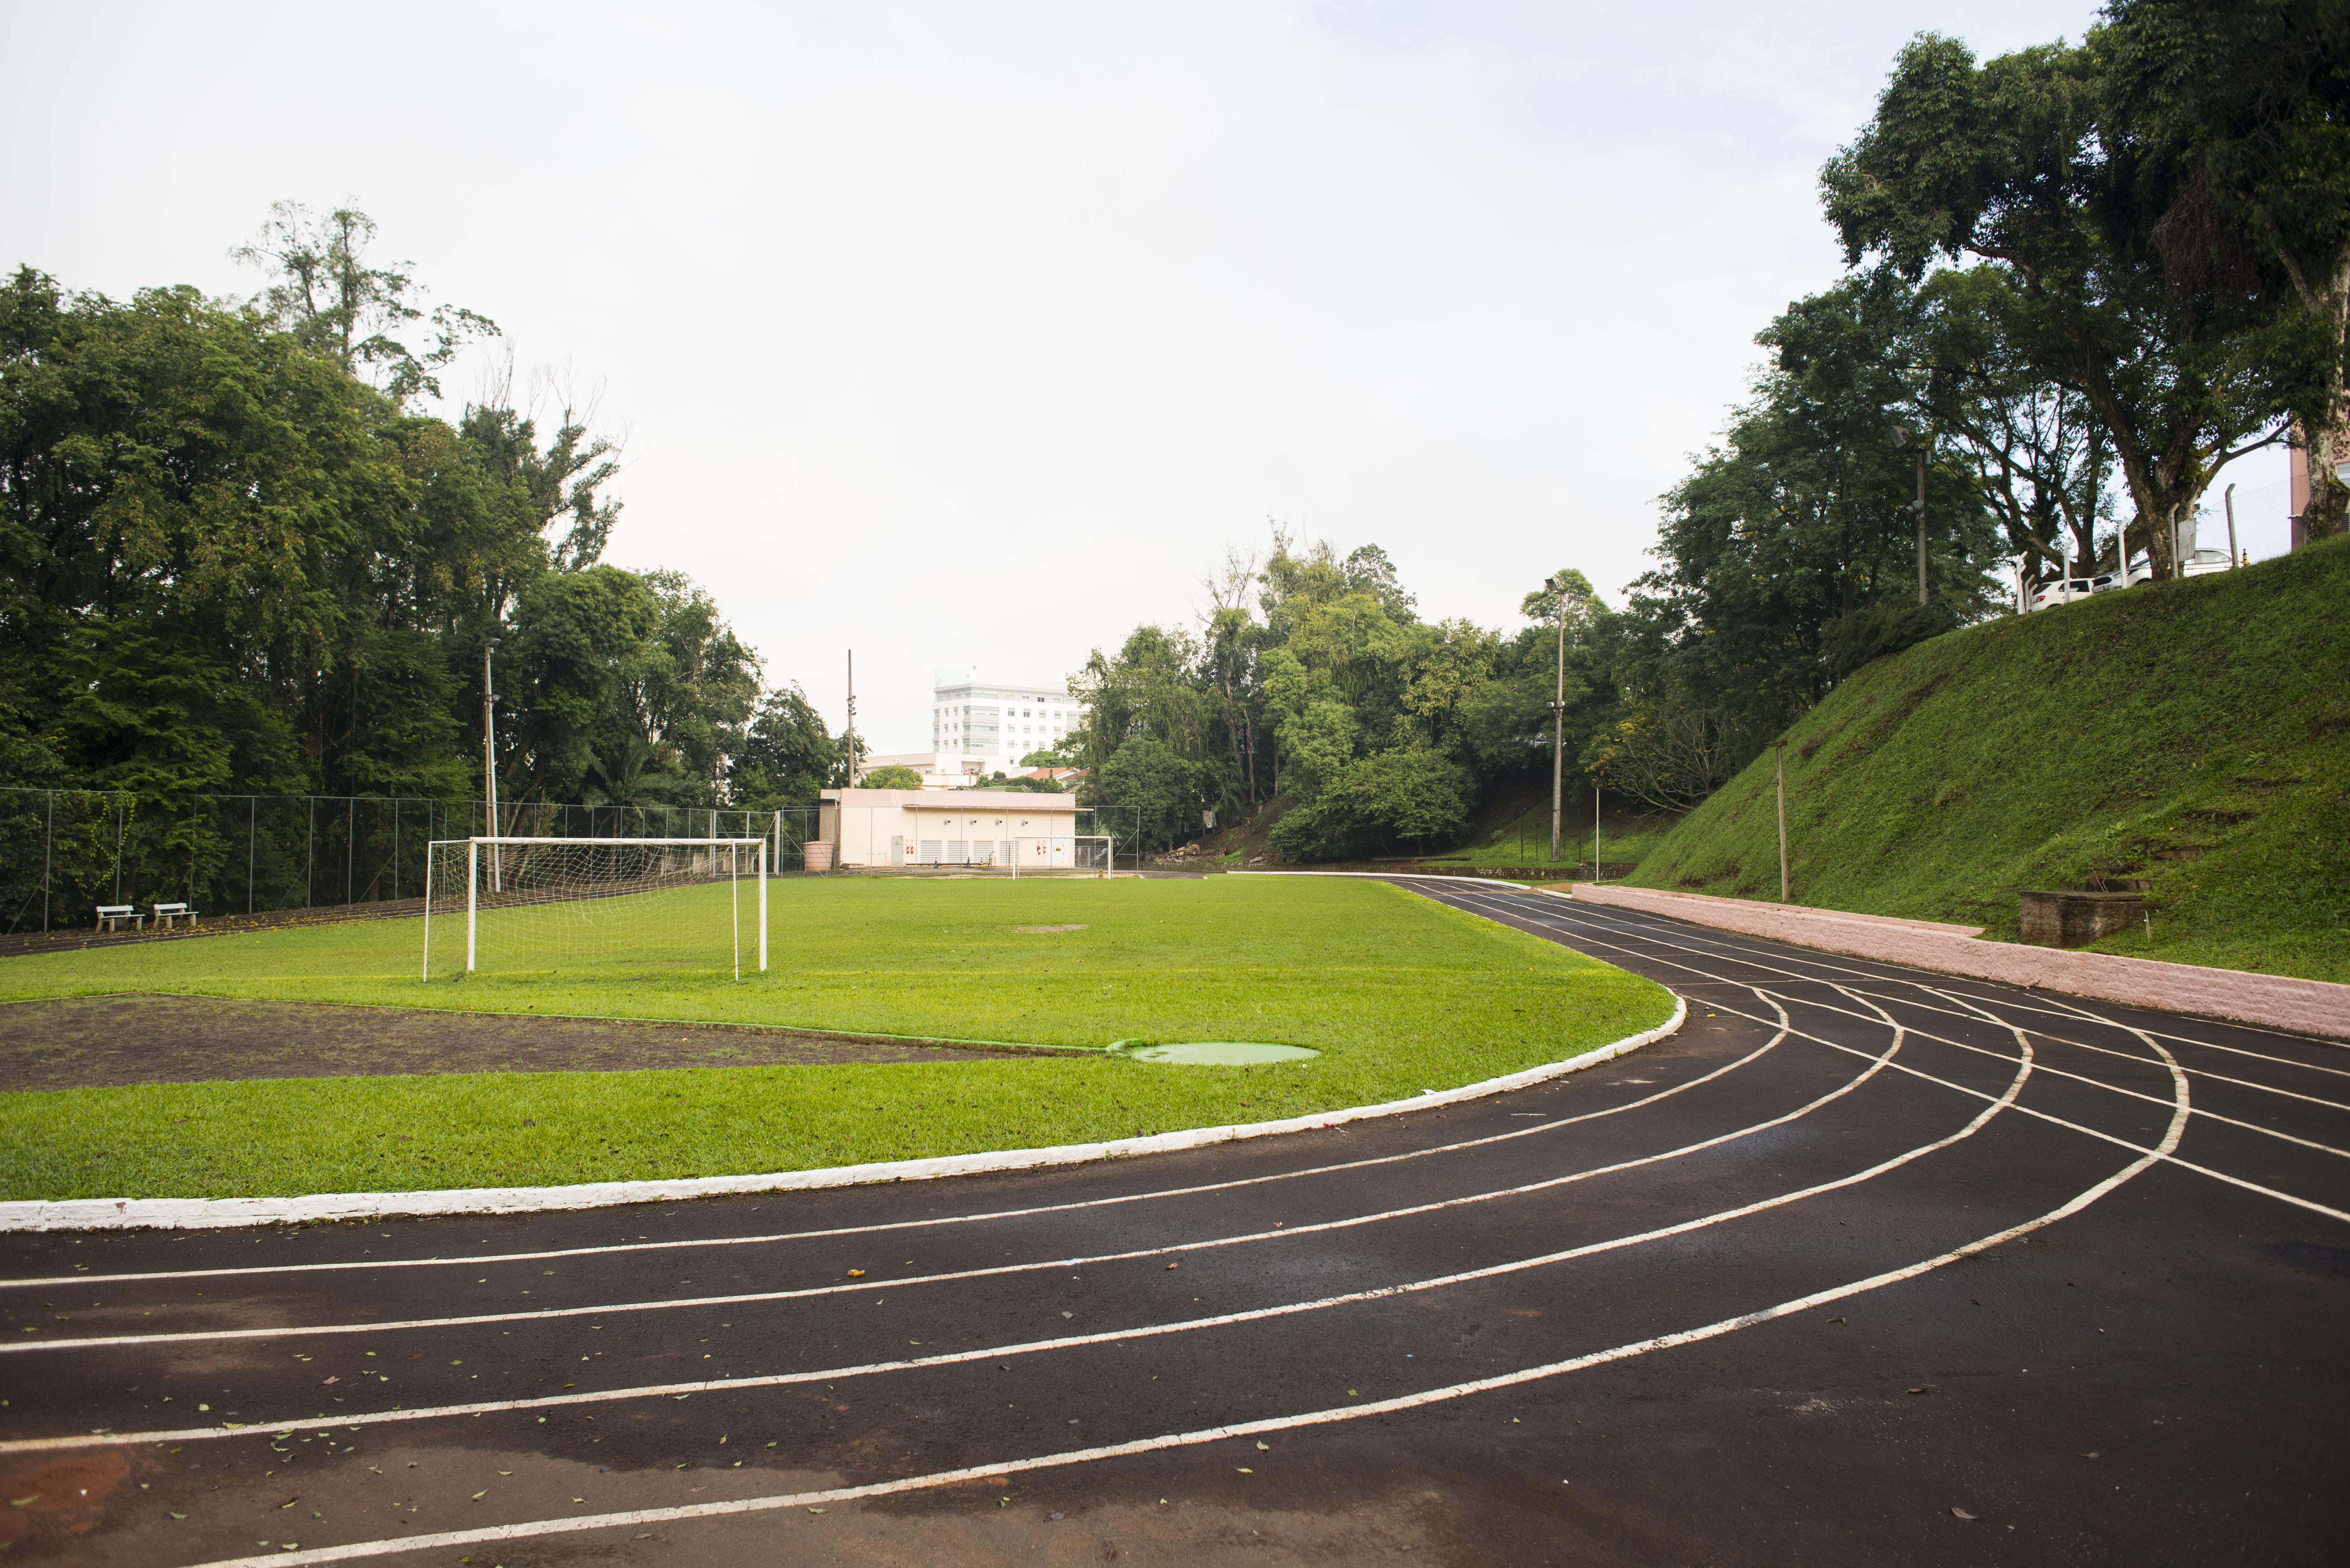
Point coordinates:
pixel 649 908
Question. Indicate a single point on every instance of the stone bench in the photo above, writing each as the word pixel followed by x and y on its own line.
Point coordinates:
pixel 2074 919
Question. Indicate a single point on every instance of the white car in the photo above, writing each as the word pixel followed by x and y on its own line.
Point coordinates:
pixel 2204 561
pixel 2063 591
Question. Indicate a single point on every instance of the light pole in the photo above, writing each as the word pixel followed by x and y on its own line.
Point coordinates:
pixel 852 717
pixel 1557 591
pixel 1778 762
pixel 490 755
pixel 1901 437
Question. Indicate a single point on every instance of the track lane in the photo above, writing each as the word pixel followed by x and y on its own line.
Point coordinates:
pixel 1792 1249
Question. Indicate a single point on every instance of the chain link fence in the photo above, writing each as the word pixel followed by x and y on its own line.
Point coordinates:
pixel 64 852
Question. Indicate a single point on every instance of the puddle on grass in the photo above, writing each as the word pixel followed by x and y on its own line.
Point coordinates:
pixel 1221 1053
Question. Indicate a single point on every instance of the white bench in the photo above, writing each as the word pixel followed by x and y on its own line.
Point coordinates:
pixel 167 913
pixel 111 916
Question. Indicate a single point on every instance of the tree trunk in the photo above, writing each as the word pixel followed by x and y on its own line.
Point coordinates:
pixel 2329 499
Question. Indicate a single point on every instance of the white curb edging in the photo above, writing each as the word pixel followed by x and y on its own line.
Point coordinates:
pixel 207 1213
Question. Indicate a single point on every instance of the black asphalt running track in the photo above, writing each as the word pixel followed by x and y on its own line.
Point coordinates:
pixel 1867 1265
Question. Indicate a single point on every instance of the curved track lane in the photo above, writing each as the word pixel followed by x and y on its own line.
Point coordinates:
pixel 1866 1266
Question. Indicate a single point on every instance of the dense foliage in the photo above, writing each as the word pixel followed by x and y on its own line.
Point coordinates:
pixel 236 557
pixel 1314 682
pixel 2083 279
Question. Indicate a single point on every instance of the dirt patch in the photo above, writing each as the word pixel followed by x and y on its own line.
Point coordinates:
pixel 1044 930
pixel 94 1042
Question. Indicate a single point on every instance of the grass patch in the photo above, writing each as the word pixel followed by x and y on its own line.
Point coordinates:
pixel 1398 993
pixel 2194 735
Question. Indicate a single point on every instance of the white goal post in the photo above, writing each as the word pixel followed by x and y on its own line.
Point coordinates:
pixel 651 908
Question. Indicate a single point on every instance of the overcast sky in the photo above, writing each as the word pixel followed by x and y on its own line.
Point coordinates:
pixel 975 333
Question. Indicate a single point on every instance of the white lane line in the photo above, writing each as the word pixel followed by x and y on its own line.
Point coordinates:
pixel 1974 1004
pixel 2311 1204
pixel 2109 1088
pixel 1640 923
pixel 681 1514
pixel 2110 1051
pixel 1256 1314
pixel 1286 1232
pixel 242 1271
pixel 2083 1078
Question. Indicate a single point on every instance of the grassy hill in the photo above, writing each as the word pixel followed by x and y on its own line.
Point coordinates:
pixel 2194 736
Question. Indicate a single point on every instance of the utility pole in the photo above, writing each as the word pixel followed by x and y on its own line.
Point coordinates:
pixel 490 757
pixel 1779 757
pixel 1921 523
pixel 2230 497
pixel 852 719
pixel 1558 721
pixel 1902 436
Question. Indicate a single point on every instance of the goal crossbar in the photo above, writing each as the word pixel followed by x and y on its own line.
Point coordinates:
pixel 540 889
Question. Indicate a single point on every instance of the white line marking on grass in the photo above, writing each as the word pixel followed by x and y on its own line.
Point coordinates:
pixel 1286 1232
pixel 538 1528
pixel 1152 1331
pixel 204 1213
pixel 687 1243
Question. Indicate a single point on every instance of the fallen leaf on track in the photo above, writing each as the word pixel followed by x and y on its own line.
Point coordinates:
pixel 1960 1513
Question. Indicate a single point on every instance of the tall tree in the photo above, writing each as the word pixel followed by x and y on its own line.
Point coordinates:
pixel 327 293
pixel 2239 112
pixel 2017 163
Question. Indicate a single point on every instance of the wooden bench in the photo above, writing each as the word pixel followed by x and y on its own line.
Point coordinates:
pixel 111 916
pixel 167 913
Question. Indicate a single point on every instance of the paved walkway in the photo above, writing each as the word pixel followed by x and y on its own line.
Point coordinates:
pixel 1865 1266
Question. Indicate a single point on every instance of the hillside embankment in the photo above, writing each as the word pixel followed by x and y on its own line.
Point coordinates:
pixel 2189 739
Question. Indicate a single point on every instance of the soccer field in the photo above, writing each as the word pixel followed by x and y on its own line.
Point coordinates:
pixel 1398 993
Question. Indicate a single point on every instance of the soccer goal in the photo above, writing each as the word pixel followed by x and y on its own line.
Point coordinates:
pixel 1044 852
pixel 621 907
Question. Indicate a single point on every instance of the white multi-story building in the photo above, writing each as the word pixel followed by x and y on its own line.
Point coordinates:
pixel 982 727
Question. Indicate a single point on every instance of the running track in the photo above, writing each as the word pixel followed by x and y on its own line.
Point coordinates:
pixel 1867 1265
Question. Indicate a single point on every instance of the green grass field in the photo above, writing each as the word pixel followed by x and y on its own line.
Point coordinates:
pixel 1399 995
pixel 2194 735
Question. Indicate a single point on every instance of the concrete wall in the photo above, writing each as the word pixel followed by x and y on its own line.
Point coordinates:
pixel 868 820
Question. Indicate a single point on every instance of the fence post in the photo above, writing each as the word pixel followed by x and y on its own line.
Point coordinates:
pixel 252 832
pixel 310 850
pixel 350 842
pixel 48 838
pixel 473 886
